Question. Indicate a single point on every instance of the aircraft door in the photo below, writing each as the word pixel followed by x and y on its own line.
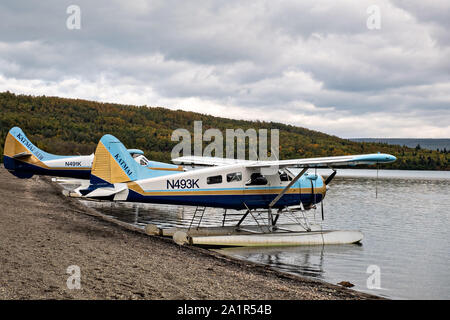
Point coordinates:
pixel 255 189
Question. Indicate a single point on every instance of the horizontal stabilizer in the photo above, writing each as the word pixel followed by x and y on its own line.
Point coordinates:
pixel 116 192
pixel 107 191
pixel 22 155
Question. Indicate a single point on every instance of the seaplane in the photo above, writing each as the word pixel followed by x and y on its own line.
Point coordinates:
pixel 23 159
pixel 243 186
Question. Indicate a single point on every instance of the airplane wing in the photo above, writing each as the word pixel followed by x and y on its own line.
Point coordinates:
pixel 208 161
pixel 351 160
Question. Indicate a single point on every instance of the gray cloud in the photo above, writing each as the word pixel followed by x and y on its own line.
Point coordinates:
pixel 242 59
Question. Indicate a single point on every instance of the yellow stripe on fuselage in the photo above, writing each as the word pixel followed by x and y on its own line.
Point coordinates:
pixel 179 168
pixel 137 188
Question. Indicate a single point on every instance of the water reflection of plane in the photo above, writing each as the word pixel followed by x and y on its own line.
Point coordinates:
pixel 143 213
pixel 302 260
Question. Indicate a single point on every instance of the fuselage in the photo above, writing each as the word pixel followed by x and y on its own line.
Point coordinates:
pixel 61 166
pixel 227 187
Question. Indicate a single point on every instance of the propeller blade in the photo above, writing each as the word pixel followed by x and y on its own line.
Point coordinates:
pixel 330 177
pixel 321 207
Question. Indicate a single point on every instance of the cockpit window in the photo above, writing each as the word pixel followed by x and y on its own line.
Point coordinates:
pixel 142 160
pixel 284 176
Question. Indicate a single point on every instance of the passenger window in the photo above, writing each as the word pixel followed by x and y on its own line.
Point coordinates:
pixel 214 179
pixel 235 176
pixel 257 179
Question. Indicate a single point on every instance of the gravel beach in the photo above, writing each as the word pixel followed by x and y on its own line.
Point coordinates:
pixel 42 233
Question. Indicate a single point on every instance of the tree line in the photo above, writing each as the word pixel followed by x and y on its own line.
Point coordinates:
pixel 74 126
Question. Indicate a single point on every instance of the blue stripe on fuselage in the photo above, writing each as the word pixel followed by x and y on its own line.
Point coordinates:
pixel 20 167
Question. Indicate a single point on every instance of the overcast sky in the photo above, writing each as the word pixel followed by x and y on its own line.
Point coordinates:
pixel 314 63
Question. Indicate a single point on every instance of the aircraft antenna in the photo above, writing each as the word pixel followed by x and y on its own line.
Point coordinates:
pixel 315 199
pixel 315 182
pixel 376 182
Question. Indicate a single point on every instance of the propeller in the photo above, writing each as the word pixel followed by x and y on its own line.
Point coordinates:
pixel 330 177
pixel 321 208
pixel 327 181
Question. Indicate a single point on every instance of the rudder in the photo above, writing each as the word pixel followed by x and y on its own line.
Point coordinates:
pixel 113 163
pixel 18 152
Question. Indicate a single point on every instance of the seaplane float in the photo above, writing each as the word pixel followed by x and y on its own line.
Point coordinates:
pixel 260 191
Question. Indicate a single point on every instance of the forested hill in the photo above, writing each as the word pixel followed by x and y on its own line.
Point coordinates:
pixel 74 126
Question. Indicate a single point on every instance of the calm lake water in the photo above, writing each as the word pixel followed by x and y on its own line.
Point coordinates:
pixel 406 232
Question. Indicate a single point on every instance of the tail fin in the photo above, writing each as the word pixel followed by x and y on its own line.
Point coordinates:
pixel 19 151
pixel 17 145
pixel 112 169
pixel 113 163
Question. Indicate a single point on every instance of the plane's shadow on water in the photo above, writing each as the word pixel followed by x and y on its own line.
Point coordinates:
pixel 166 216
pixel 300 260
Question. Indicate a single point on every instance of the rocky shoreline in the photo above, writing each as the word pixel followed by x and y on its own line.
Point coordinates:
pixel 43 235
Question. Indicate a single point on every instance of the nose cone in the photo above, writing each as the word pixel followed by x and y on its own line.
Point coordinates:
pixel 391 158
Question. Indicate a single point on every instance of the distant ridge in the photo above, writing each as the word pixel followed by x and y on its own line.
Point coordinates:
pixel 430 144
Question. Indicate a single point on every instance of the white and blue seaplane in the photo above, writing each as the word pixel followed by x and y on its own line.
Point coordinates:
pixel 242 185
pixel 23 159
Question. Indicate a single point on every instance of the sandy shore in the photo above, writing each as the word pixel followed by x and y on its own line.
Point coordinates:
pixel 42 233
